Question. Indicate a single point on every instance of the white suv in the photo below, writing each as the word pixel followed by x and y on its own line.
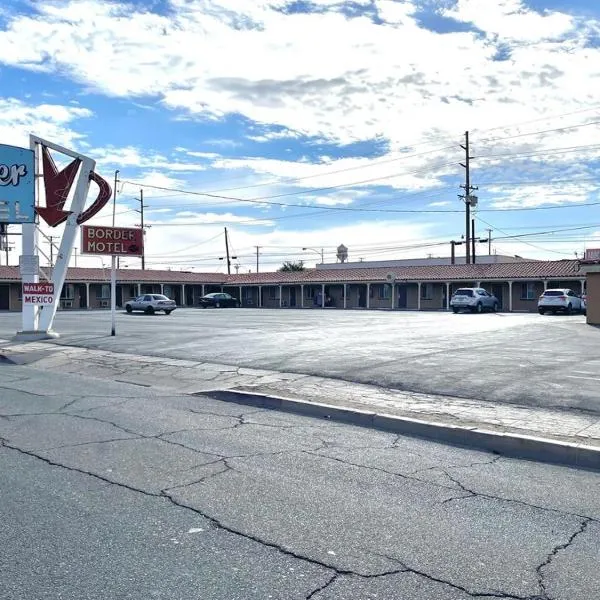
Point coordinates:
pixel 474 300
pixel 561 299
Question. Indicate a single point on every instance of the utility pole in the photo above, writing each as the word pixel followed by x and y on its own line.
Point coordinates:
pixel 489 241
pixel 453 252
pixel 143 230
pixel 473 240
pixel 115 190
pixel 467 197
pixel 227 253
pixel 257 249
pixel 4 239
pixel 51 238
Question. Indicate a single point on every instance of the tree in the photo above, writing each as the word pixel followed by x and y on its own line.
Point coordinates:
pixel 289 265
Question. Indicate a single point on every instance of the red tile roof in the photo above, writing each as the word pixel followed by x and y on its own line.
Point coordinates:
pixel 79 274
pixel 561 269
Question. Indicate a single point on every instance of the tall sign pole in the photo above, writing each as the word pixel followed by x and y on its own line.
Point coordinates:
pixel 113 269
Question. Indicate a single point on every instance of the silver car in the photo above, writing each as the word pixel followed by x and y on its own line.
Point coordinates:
pixel 474 300
pixel 151 303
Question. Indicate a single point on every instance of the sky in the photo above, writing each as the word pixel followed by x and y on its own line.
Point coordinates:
pixel 314 123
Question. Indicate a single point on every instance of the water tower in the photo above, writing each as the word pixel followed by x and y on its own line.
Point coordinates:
pixel 342 253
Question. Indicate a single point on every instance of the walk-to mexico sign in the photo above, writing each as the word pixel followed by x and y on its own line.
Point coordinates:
pixel 38 293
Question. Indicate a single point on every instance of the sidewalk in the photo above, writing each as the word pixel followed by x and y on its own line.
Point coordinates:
pixel 541 434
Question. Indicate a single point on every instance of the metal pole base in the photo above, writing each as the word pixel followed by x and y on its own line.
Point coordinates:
pixel 35 336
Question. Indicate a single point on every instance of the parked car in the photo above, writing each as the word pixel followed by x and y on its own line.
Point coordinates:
pixel 474 300
pixel 562 299
pixel 151 303
pixel 218 300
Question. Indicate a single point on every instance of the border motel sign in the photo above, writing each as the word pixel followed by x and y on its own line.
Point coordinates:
pixel 119 241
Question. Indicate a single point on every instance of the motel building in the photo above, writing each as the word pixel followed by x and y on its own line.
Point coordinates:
pixel 413 284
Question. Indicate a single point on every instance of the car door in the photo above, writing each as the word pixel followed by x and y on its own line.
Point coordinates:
pixel 145 302
pixel 485 298
pixel 574 300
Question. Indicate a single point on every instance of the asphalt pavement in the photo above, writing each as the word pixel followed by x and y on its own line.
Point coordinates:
pixel 527 359
pixel 112 490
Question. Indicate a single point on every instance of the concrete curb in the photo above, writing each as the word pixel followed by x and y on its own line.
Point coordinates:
pixel 511 445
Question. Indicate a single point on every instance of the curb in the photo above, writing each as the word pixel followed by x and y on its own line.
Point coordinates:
pixel 511 445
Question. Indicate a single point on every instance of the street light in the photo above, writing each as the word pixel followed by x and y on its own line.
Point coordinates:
pixel 317 251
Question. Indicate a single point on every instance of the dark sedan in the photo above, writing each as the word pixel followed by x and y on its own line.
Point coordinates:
pixel 218 300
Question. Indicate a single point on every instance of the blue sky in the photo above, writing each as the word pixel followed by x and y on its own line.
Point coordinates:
pixel 319 123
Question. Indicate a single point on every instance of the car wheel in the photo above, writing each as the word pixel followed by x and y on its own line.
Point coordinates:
pixel 495 307
pixel 149 310
pixel 479 308
pixel 168 312
pixel 455 311
pixel 541 311
pixel 203 305
pixel 568 310
pixel 217 305
pixel 128 308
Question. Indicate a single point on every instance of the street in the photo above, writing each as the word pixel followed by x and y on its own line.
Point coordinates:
pixel 112 490
pixel 527 359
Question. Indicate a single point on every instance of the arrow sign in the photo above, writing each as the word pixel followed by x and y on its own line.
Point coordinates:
pixel 57 185
pixel 100 202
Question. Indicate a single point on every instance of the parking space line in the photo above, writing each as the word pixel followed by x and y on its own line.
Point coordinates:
pixel 582 377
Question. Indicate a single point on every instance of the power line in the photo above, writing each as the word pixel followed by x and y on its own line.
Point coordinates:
pixel 547 152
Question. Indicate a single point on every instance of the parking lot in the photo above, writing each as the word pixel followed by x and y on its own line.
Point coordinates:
pixel 550 361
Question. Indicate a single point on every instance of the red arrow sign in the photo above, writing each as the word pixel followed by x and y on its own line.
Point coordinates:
pixel 100 202
pixel 57 185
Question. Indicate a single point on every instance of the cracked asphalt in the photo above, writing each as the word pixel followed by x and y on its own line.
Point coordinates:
pixel 113 490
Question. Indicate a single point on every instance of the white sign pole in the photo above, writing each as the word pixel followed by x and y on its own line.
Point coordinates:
pixel 113 295
pixel 113 269
pixel 30 312
pixel 59 273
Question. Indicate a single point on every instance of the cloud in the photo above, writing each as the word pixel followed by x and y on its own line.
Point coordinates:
pixel 371 83
pixel 541 195
pixel 512 20
pixel 49 121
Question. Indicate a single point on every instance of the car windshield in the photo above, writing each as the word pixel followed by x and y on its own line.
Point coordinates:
pixel 465 292
pixel 212 295
pixel 159 297
pixel 554 293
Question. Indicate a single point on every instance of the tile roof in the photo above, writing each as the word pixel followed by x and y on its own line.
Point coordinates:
pixel 81 274
pixel 499 271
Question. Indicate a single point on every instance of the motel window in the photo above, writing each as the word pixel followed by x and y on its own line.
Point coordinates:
pixel 273 293
pixel 385 291
pixel 310 292
pixel 105 292
pixel 528 291
pixel 247 294
pixel 427 291
pixel 68 292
